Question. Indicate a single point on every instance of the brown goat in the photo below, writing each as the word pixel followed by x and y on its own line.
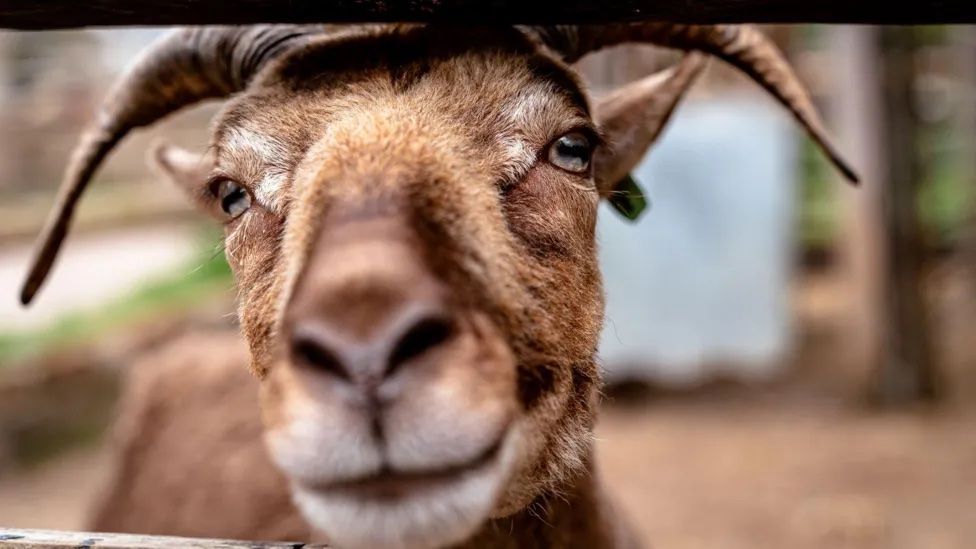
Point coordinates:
pixel 410 215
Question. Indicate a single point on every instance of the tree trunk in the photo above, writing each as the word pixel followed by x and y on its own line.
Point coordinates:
pixel 857 116
pixel 964 41
pixel 881 247
pixel 907 372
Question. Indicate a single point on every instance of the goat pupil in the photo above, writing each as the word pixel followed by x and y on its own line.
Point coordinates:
pixel 571 152
pixel 233 198
pixel 571 147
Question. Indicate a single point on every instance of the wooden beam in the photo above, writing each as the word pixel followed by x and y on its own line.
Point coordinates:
pixel 35 539
pixel 52 14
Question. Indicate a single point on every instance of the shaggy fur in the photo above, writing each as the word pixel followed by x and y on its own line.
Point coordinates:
pixel 391 167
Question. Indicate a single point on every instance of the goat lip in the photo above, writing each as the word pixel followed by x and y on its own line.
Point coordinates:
pixel 388 484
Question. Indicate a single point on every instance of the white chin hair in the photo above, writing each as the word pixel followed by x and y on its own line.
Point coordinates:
pixel 433 517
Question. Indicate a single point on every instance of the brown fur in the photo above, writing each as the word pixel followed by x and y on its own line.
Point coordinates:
pixel 191 421
pixel 426 147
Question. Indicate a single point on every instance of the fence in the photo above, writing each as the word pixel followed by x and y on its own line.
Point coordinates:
pixel 30 14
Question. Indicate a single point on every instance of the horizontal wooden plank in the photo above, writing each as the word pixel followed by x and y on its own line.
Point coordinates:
pixel 20 539
pixel 50 14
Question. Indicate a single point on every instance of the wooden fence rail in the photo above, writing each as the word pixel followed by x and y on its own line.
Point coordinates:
pixel 52 14
pixel 36 539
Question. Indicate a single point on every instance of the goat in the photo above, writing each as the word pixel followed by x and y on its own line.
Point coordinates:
pixel 409 213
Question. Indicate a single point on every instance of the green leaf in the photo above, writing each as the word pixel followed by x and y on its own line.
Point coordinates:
pixel 628 198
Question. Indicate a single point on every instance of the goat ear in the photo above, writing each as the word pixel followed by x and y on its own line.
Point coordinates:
pixel 189 171
pixel 632 117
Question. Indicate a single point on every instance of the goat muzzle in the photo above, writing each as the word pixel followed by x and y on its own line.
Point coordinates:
pixel 367 306
pixel 389 393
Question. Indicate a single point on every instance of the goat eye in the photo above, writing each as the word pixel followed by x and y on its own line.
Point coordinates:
pixel 571 152
pixel 234 199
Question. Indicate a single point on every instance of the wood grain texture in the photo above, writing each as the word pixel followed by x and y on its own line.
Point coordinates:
pixel 20 539
pixel 51 14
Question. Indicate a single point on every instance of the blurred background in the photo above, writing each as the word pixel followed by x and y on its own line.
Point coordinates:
pixel 790 360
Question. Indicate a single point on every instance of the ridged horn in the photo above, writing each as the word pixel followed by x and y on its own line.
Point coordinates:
pixel 742 46
pixel 182 68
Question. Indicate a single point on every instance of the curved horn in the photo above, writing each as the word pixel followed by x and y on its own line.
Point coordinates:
pixel 742 46
pixel 180 69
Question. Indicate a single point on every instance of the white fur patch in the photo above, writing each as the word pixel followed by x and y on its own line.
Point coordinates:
pixel 437 516
pixel 319 446
pixel 533 116
pixel 527 104
pixel 261 157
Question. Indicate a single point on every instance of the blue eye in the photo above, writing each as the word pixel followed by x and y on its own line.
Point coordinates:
pixel 571 152
pixel 234 199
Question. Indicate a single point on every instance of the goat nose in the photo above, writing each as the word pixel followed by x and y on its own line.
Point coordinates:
pixel 368 303
pixel 416 332
pixel 420 335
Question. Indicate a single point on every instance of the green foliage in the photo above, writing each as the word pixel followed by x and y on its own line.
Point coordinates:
pixel 946 195
pixel 945 199
pixel 199 279
pixel 818 210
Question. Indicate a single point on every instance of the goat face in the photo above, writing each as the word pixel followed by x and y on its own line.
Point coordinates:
pixel 410 216
pixel 414 246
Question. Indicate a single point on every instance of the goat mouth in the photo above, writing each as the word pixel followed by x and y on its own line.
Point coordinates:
pixel 426 507
pixel 388 484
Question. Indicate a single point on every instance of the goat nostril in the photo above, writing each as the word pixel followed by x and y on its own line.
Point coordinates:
pixel 423 336
pixel 310 352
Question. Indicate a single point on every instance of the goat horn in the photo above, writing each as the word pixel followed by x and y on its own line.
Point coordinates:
pixel 180 69
pixel 742 46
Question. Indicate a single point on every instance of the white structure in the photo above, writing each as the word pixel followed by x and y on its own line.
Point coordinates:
pixel 700 284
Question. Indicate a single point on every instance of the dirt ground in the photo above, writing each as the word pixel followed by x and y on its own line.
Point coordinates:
pixel 57 494
pixel 746 475
pixel 804 462
pixel 799 462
